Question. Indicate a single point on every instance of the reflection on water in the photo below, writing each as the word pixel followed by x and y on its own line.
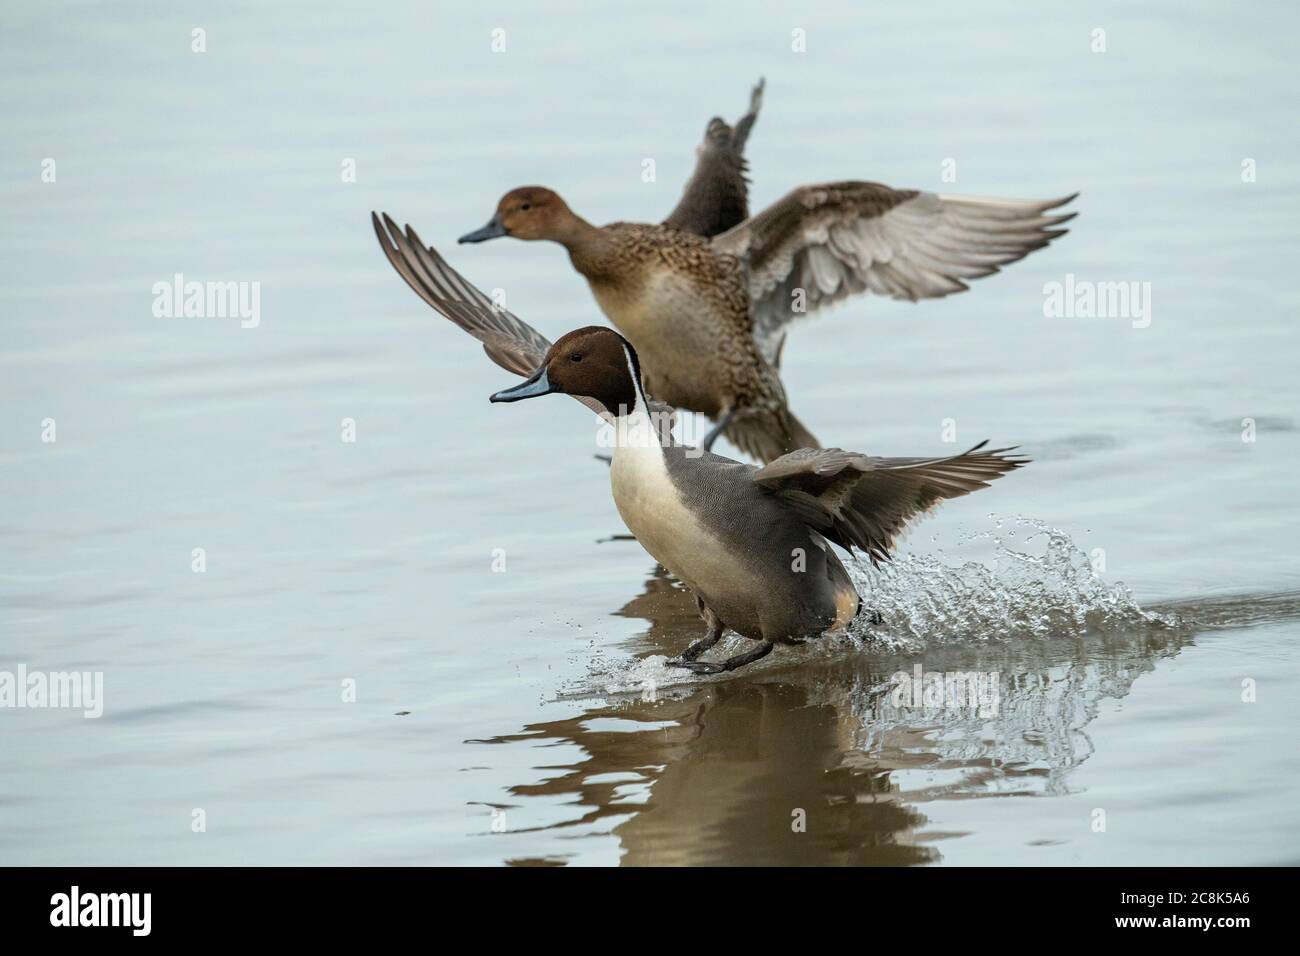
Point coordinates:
pixel 726 771
pixel 717 776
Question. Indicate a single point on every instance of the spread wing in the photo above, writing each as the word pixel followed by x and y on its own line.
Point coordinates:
pixel 836 239
pixel 865 502
pixel 717 194
pixel 507 339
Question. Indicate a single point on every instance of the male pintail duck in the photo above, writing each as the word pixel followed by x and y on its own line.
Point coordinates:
pixel 708 316
pixel 749 542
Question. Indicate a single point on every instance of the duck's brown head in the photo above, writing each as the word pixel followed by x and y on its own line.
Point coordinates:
pixel 529 212
pixel 594 362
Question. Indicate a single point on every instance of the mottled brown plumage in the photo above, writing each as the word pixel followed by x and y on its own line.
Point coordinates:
pixel 643 274
pixel 708 316
pixel 706 297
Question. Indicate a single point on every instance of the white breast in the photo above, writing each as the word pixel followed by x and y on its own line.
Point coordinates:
pixel 646 499
pixel 653 510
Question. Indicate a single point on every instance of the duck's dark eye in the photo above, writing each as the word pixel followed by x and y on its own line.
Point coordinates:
pixel 575 357
pixel 526 206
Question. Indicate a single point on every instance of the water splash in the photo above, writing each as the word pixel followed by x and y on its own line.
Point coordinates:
pixel 1039 584
pixel 1021 616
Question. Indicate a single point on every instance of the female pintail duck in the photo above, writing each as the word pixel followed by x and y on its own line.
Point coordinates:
pixel 750 543
pixel 708 316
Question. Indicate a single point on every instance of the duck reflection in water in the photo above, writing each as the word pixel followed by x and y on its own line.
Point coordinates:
pixel 820 764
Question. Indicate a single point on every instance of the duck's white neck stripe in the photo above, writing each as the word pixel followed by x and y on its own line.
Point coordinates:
pixel 637 429
pixel 636 379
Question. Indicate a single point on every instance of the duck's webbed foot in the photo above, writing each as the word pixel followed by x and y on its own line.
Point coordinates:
pixel 872 616
pixel 711 637
pixel 730 664
pixel 699 647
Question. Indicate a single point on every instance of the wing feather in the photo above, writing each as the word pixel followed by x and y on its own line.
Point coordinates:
pixel 865 502
pixel 834 240
pixel 716 197
pixel 508 340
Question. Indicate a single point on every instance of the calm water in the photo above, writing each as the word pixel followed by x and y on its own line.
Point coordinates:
pixel 507 717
